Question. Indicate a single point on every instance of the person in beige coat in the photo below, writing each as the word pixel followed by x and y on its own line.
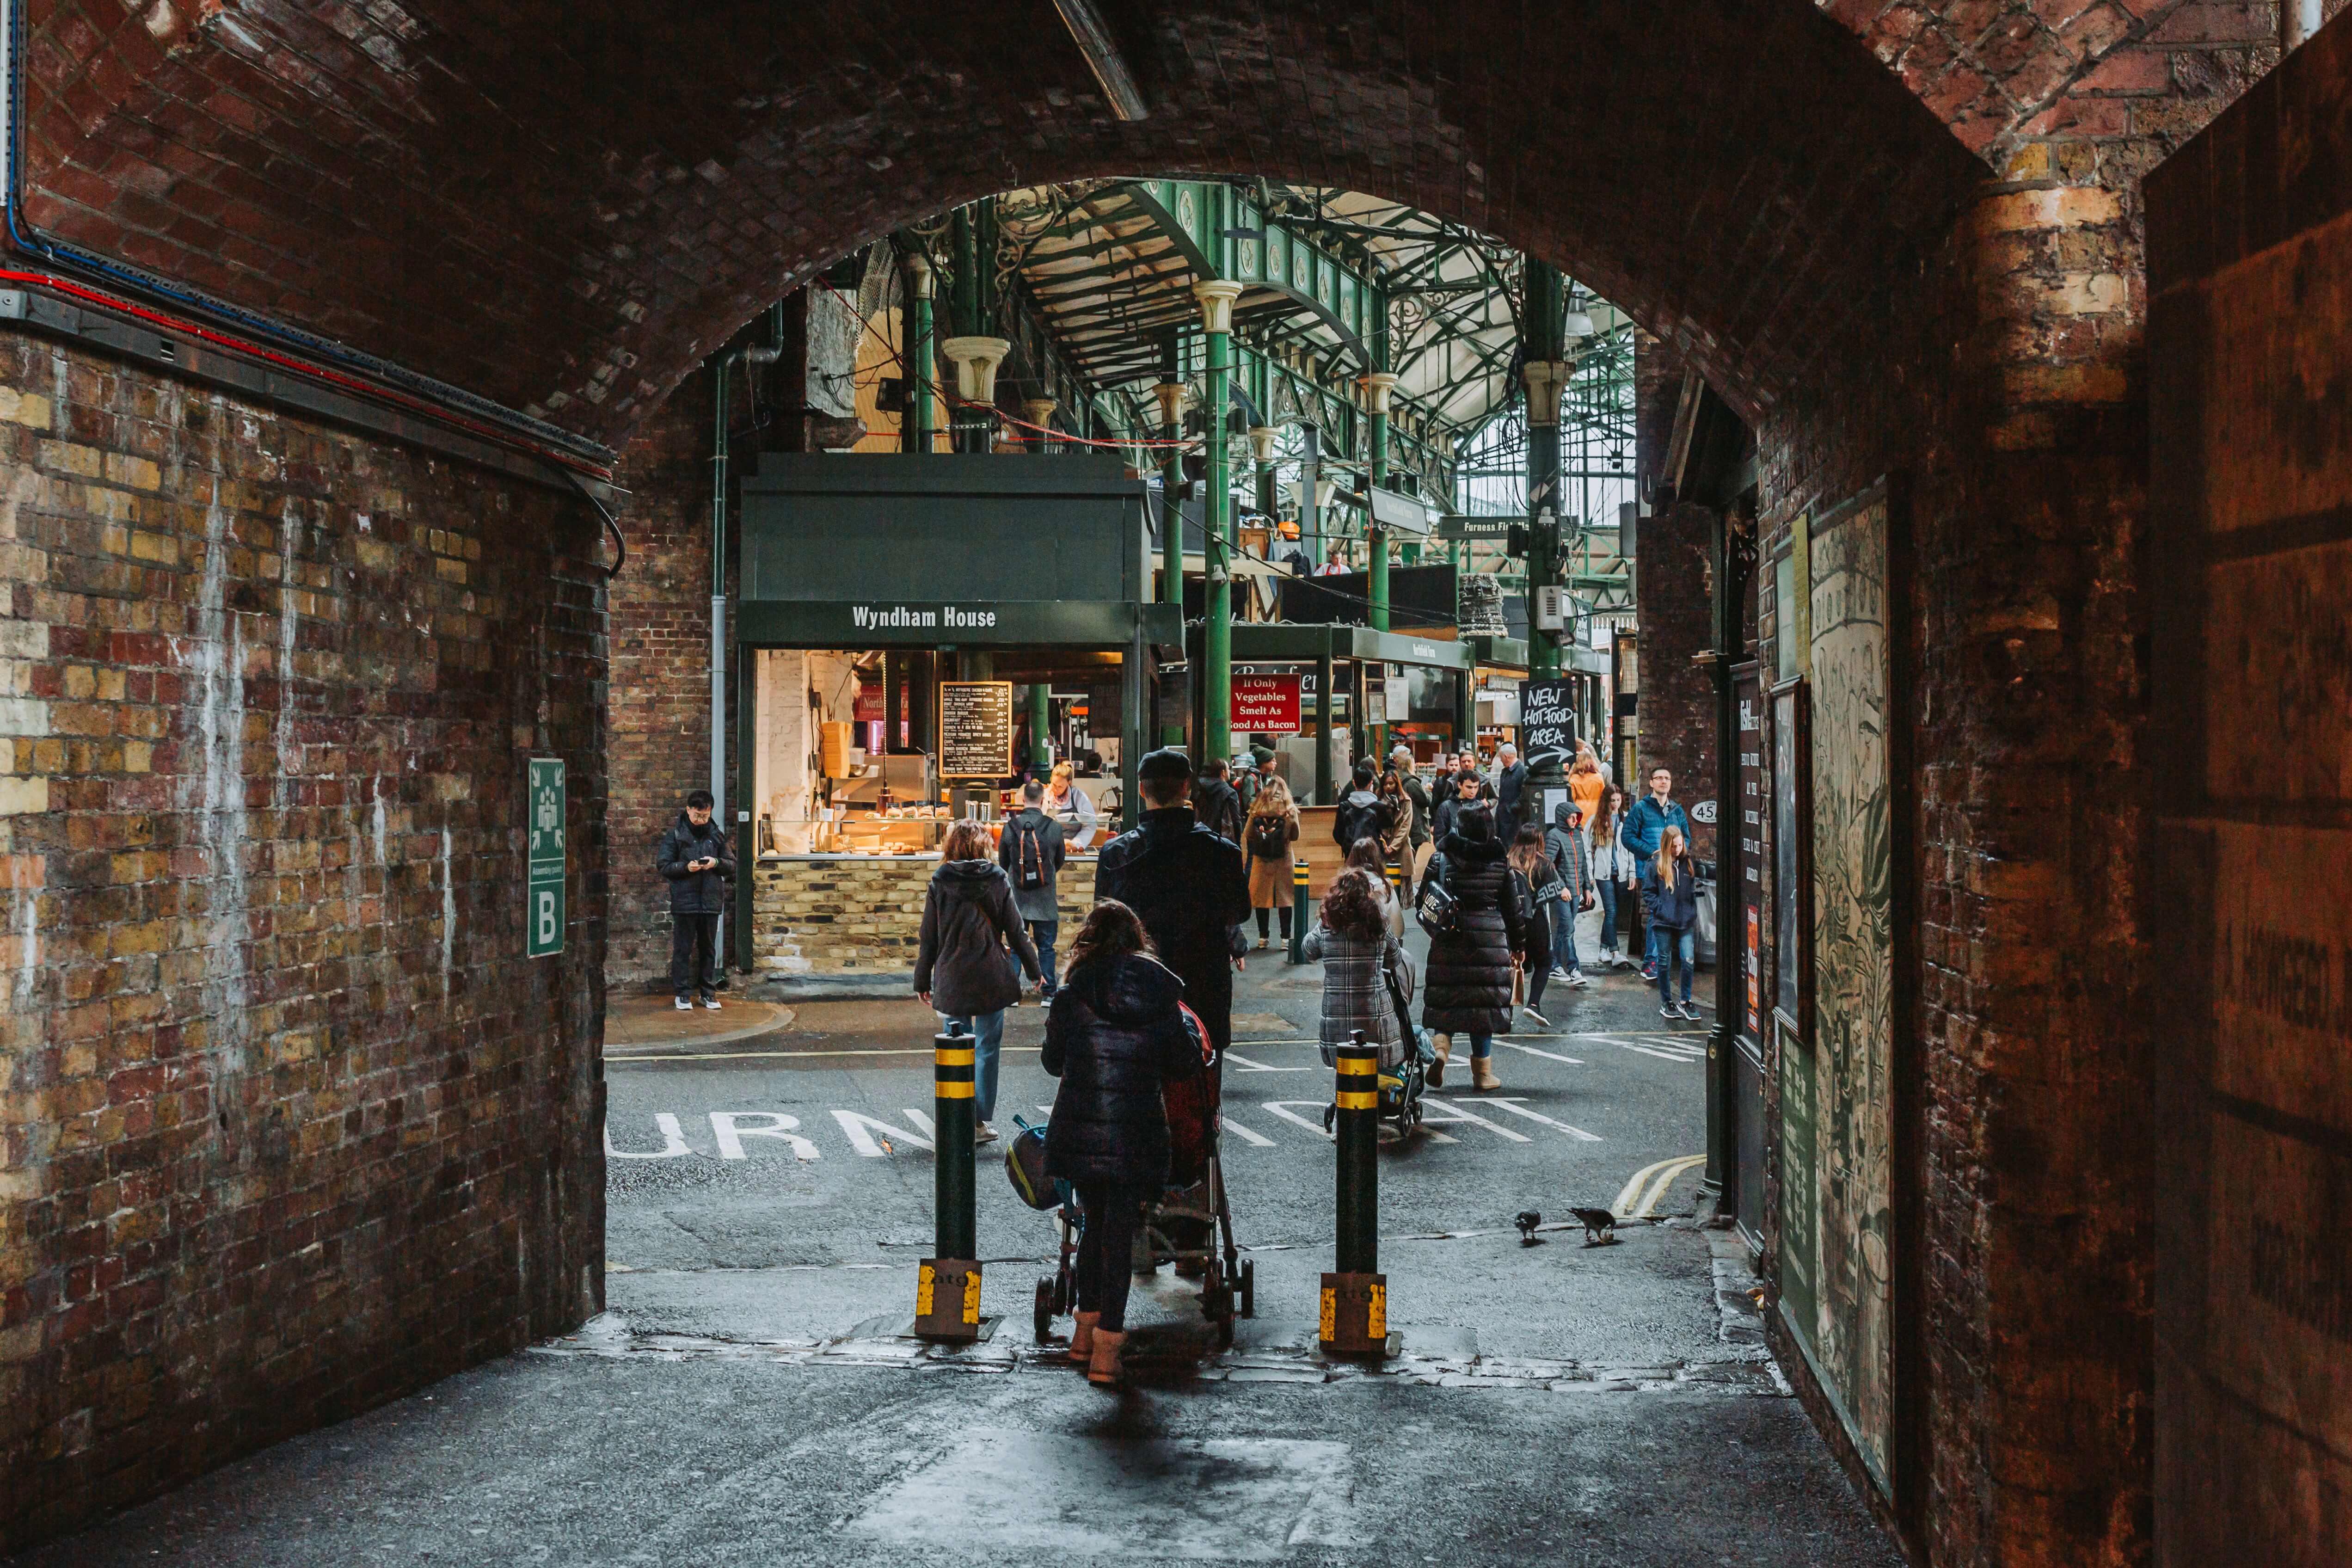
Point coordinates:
pixel 1267 835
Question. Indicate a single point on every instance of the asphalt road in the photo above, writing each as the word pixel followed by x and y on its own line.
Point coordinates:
pixel 748 1399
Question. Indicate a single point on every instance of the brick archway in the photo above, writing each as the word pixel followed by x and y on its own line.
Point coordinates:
pixel 1901 236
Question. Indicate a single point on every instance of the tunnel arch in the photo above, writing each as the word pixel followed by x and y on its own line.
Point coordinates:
pixel 553 215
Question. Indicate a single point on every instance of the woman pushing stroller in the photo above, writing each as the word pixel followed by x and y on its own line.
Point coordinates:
pixel 1115 1034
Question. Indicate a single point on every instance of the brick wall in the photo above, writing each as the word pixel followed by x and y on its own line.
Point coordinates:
pixel 863 914
pixel 1674 594
pixel 660 737
pixel 288 1124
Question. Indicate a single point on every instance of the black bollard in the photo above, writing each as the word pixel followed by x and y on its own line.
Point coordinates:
pixel 947 1293
pixel 1355 1295
pixel 1298 912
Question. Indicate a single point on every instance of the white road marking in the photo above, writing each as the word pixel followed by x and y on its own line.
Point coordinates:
pixel 1249 1065
pixel 1282 1108
pixel 1258 1139
pixel 861 1129
pixel 1548 1056
pixel 1516 1109
pixel 1461 1113
pixel 726 1127
pixel 673 1144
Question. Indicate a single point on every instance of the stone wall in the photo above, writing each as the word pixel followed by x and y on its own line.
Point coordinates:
pixel 861 914
pixel 288 1125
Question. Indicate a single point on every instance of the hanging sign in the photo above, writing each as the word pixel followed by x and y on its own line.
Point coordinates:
pixel 1267 704
pixel 545 865
pixel 975 729
pixel 1548 717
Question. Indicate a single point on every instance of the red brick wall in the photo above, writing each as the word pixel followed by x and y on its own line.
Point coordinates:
pixel 288 1124
pixel 660 703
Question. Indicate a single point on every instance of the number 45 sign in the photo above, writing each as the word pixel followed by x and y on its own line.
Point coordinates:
pixel 543 895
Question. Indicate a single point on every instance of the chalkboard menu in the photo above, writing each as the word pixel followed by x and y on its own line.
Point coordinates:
pixel 975 729
pixel 1548 717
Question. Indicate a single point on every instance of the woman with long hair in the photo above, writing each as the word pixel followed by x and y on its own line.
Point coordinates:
pixel 1468 986
pixel 1584 780
pixel 962 966
pixel 1670 901
pixel 1614 872
pixel 1535 882
pixel 1114 1035
pixel 1396 841
pixel 1267 833
pixel 1368 858
pixel 1358 952
pixel 1067 803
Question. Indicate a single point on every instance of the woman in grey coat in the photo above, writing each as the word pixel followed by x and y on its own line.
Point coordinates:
pixel 961 968
pixel 1357 951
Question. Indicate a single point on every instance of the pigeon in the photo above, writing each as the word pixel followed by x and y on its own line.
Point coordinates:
pixel 1600 1226
pixel 1526 1222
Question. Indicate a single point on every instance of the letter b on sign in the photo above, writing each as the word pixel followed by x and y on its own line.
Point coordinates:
pixel 549 859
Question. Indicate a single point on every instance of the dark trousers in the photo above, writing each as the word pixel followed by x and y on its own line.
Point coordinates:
pixel 1282 910
pixel 1106 1249
pixel 1537 956
pixel 1042 933
pixel 694 955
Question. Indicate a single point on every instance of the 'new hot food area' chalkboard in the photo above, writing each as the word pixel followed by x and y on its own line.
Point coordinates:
pixel 975 729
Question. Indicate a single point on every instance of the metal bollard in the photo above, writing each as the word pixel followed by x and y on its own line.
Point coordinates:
pixel 946 1291
pixel 1299 904
pixel 1355 1294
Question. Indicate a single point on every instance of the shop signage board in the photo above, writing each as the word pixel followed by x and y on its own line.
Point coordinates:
pixel 1747 699
pixel 1267 704
pixel 545 865
pixel 1548 717
pixel 975 729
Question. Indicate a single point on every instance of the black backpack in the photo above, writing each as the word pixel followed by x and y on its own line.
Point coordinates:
pixel 1029 860
pixel 1269 835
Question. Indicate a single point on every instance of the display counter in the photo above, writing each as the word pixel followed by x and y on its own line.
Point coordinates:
pixel 863 913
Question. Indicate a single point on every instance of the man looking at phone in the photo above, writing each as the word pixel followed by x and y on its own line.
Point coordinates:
pixel 699 863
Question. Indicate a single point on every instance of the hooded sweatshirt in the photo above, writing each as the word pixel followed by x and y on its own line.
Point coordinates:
pixel 1564 844
pixel 1361 815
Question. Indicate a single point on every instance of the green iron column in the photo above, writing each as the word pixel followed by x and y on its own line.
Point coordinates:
pixel 1377 388
pixel 922 360
pixel 1216 297
pixel 1261 439
pixel 1543 349
pixel 1041 723
pixel 1170 393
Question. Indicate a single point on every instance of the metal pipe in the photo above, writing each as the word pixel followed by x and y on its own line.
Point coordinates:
pixel 2298 20
pixel 719 454
pixel 922 360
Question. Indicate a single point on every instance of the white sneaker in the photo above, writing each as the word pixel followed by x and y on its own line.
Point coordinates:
pixel 684 1005
pixel 1541 1022
pixel 983 1133
pixel 1668 1012
pixel 1576 978
pixel 711 1003
pixel 1560 974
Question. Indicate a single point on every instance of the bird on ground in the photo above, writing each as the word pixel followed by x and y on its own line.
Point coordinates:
pixel 1526 1222
pixel 1600 1226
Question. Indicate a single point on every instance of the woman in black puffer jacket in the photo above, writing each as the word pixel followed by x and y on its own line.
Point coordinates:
pixel 1467 990
pixel 1114 1035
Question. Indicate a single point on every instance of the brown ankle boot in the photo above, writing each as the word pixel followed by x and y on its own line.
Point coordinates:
pixel 1482 1073
pixel 1102 1370
pixel 1445 1045
pixel 1082 1339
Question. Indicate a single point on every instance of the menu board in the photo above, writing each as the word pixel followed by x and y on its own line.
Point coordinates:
pixel 975 729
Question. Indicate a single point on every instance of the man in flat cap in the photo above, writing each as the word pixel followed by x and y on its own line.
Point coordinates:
pixel 1188 886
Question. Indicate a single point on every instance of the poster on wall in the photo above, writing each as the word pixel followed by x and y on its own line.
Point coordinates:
pixel 1850 1336
pixel 975 729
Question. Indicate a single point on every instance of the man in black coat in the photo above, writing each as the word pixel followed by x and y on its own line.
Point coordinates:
pixel 1216 803
pixel 1510 778
pixel 698 862
pixel 1189 886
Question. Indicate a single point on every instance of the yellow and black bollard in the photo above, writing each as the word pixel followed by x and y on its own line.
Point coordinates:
pixel 947 1294
pixel 1355 1294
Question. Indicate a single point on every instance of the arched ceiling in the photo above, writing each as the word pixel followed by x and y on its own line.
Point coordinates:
pixel 563 205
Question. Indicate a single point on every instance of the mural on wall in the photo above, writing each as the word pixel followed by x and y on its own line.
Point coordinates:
pixel 1851 1329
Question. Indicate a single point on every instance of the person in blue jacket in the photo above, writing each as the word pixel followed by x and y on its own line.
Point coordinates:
pixel 1643 830
pixel 1670 899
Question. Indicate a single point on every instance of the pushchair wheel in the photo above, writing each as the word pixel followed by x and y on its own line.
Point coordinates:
pixel 1248 1280
pixel 1331 1116
pixel 1063 1293
pixel 1045 1313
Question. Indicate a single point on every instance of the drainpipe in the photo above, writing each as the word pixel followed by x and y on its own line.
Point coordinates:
pixel 726 372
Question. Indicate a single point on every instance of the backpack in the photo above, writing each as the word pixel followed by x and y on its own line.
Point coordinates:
pixel 1029 860
pixel 1269 837
pixel 1360 822
pixel 1025 1167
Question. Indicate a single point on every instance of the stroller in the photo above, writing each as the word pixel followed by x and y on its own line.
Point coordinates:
pixel 1191 1223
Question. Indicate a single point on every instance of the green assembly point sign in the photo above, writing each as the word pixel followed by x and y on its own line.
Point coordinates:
pixel 543 895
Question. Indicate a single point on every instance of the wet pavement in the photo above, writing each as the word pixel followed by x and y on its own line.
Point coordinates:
pixel 748 1396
